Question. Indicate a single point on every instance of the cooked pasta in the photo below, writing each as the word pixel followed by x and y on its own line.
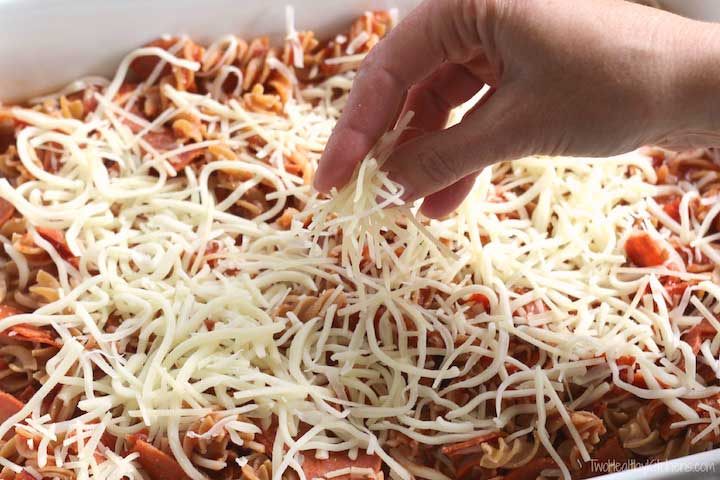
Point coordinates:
pixel 176 301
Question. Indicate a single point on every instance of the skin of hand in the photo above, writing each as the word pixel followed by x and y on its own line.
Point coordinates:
pixel 579 78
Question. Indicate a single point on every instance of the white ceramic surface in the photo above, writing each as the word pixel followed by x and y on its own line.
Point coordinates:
pixel 46 43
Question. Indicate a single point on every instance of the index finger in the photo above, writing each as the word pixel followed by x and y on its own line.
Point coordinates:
pixel 435 32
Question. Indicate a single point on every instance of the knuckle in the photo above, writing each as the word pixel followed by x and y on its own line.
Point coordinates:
pixel 436 167
pixel 490 16
pixel 370 61
pixel 387 76
pixel 377 71
pixel 453 30
pixel 498 9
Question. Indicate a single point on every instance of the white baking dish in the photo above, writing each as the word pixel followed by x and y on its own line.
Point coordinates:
pixel 45 44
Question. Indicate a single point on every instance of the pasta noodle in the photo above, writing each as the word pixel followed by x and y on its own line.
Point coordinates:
pixel 516 454
pixel 639 437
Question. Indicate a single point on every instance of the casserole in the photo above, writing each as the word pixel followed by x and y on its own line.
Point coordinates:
pixel 70 40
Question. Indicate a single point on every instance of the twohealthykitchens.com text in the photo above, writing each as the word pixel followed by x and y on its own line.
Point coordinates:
pixel 610 466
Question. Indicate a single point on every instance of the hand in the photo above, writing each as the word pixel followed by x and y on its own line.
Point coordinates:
pixel 568 77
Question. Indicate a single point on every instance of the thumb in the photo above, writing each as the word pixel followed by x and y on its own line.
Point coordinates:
pixel 491 134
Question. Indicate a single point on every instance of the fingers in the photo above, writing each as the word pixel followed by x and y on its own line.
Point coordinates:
pixel 442 203
pixel 446 201
pixel 411 51
pixel 433 99
pixel 487 135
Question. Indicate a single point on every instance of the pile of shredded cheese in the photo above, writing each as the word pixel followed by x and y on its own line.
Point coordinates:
pixel 366 366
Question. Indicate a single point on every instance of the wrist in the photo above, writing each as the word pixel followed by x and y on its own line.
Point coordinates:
pixel 694 87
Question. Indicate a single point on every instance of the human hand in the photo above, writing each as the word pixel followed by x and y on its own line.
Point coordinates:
pixel 568 77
